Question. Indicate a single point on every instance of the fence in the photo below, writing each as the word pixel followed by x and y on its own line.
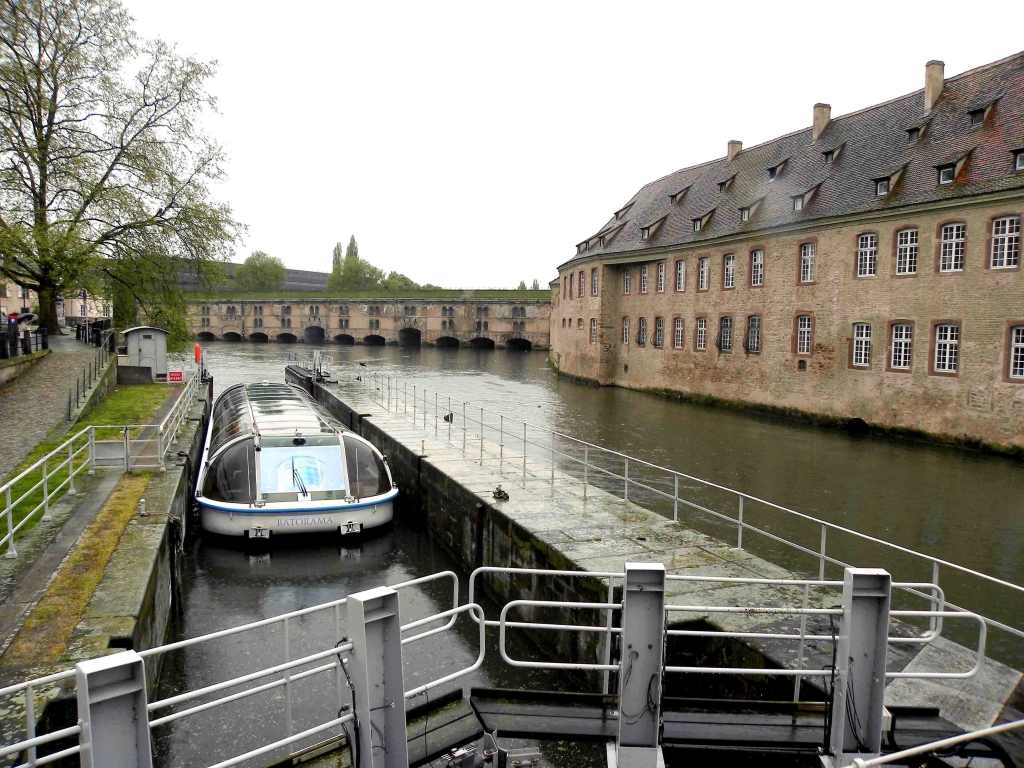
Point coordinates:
pixel 141 446
pixel 91 372
pixel 538 454
pixel 336 661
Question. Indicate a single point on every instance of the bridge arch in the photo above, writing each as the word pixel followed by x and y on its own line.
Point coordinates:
pixel 286 338
pixel 232 336
pixel 313 334
pixel 481 342
pixel 259 338
pixel 373 340
pixel 517 343
pixel 410 337
pixel 344 338
pixel 446 341
pixel 205 336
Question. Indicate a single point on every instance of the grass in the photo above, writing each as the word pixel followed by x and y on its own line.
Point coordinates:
pixel 441 293
pixel 135 404
pixel 45 634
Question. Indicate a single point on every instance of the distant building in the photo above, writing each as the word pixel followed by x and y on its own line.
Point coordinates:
pixel 15 299
pixel 867 267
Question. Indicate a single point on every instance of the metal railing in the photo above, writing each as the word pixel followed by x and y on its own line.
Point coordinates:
pixel 322 661
pixel 140 446
pixel 91 373
pixel 539 454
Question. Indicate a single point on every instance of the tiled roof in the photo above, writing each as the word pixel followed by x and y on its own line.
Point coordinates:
pixel 874 145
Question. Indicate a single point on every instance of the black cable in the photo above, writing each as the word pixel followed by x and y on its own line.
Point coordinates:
pixel 352 746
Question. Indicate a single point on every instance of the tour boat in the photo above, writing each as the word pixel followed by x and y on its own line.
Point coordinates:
pixel 276 462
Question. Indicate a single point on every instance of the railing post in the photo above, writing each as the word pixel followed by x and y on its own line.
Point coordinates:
pixel 71 468
pixel 640 667
pixel 414 402
pixel 463 426
pixel 46 495
pixel 857 703
pixel 12 551
pixel 501 441
pixel 586 466
pixel 821 556
pixel 625 476
pixel 287 679
pixel 375 628
pixel 481 435
pixel 127 452
pixel 739 527
pixel 675 498
pixel 92 451
pixel 524 451
pixel 160 448
pixel 30 720
pixel 933 621
pixel 800 652
pixel 112 711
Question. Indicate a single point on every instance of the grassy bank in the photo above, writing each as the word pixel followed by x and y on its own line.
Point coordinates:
pixel 46 632
pixel 125 405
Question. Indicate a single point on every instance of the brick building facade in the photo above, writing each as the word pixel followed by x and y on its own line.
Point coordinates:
pixel 865 268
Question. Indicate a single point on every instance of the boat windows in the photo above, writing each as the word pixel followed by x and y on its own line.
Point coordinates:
pixel 231 476
pixel 367 474
pixel 301 468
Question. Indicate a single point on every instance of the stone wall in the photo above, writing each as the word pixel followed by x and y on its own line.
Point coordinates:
pixel 13 367
pixel 980 404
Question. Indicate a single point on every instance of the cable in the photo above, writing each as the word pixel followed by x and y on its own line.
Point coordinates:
pixel 352 746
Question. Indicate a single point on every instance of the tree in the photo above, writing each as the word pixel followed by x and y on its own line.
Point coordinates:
pixel 396 281
pixel 337 255
pixel 104 178
pixel 353 248
pixel 260 272
pixel 535 286
pixel 354 273
pixel 522 285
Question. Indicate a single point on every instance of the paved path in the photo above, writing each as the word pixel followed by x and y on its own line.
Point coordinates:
pixel 37 401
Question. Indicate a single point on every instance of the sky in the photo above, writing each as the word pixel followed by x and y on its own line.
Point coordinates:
pixel 473 144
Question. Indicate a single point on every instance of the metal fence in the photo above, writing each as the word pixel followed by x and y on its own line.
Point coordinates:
pixel 91 373
pixel 140 446
pixel 331 655
pixel 538 454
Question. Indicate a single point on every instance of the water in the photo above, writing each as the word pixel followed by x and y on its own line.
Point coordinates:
pixel 959 506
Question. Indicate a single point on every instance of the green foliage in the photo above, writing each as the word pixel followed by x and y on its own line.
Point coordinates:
pixel 396 281
pixel 353 248
pixel 353 273
pixel 336 257
pixel 107 173
pixel 536 285
pixel 522 285
pixel 260 272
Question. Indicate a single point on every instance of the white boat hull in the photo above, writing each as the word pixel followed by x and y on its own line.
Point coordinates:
pixel 284 521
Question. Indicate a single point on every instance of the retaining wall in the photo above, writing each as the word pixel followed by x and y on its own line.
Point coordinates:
pixel 12 368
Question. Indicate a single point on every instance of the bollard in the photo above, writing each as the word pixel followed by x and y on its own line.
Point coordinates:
pixel 44 339
pixel 26 342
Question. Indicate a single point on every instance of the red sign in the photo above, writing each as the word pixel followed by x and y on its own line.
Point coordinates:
pixel 174 377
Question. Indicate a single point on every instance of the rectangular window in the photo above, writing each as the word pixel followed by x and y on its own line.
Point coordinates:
pixel 583 284
pixel 1006 242
pixel 641 331
pixel 902 346
pixel 744 214
pixel 1018 161
pixel 913 134
pixel 702 333
pixel 626 277
pixel 947 348
pixel 753 341
pixel 625 330
pixel 677 336
pixel 1017 352
pixel 659 331
pixel 593 282
pixel 803 335
pixel 867 255
pixel 906 252
pixel 946 174
pixel 593 330
pixel 882 187
pixel 680 275
pixel 643 279
pixel 757 267
pixel 729 270
pixel 807 263
pixel 861 345
pixel 798 203
pixel 661 277
pixel 725 334
pixel 951 255
pixel 703 273
pixel 696 225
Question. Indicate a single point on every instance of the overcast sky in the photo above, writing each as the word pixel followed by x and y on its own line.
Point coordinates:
pixel 473 144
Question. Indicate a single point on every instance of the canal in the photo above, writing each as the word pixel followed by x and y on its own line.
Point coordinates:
pixel 961 506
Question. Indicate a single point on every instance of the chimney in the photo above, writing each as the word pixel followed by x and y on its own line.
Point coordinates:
pixel 734 148
pixel 822 114
pixel 933 82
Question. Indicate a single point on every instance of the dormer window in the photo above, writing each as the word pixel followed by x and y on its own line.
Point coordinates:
pixel 645 233
pixel 622 211
pixel 913 135
pixel 696 225
pixel 1018 160
pixel 881 187
pixel 829 156
pixel 678 195
pixel 977 117
pixel 722 186
pixel 581 248
pixel 774 171
pixel 798 203
pixel 947 173
pixel 600 241
pixel 744 214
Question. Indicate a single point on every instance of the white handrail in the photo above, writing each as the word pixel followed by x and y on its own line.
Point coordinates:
pixel 935 746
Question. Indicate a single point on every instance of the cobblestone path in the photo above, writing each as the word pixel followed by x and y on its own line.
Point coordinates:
pixel 37 401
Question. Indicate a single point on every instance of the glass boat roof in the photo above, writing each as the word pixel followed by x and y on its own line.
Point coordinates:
pixel 278 409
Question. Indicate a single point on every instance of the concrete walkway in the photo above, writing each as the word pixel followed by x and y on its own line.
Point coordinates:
pixel 594 530
pixel 36 402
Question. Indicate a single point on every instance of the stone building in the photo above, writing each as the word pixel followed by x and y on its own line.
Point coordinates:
pixel 15 299
pixel 512 323
pixel 866 267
